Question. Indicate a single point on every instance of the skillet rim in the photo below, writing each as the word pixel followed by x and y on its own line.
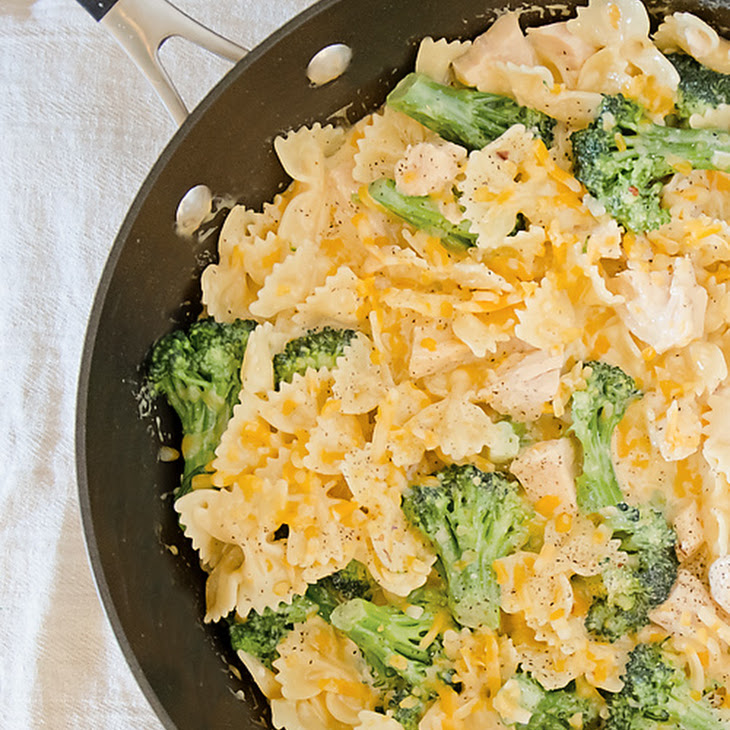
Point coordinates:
pixel 100 578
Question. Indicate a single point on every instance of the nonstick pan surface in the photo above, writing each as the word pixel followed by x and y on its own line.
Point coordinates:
pixel 147 574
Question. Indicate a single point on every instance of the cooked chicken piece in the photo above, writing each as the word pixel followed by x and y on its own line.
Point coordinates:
pixel 719 575
pixel 560 50
pixel 547 469
pixel 523 384
pixel 428 168
pixel 679 614
pixel 504 41
pixel 688 526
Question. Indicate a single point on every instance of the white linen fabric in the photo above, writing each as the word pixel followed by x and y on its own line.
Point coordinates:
pixel 79 129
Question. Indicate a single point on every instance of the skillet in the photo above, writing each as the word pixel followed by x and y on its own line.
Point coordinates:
pixel 146 572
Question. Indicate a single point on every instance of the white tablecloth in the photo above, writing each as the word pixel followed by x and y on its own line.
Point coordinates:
pixel 79 128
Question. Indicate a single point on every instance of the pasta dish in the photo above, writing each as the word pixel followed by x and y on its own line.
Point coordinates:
pixel 472 468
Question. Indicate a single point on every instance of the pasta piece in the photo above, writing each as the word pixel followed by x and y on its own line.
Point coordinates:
pixel 460 429
pixel 302 152
pixel 324 681
pixel 674 427
pixel 385 139
pixel 247 443
pixel 377 721
pixel 549 319
pixel 688 33
pixel 334 436
pixel 337 303
pixel 396 554
pixel 262 675
pixel 390 437
pixel 663 309
pixel 292 281
pixel 435 348
pixel 360 380
pixel 295 407
pixel 479 334
pixel 436 56
pixel 605 22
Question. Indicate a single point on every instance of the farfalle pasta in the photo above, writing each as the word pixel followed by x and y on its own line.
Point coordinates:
pixel 467 296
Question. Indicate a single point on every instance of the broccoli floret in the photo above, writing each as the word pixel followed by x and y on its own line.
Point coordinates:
pixel 700 88
pixel 404 653
pixel 559 709
pixel 623 158
pixel 465 116
pixel 353 581
pixel 656 695
pixel 422 213
pixel 471 518
pixel 596 411
pixel 627 592
pixel 259 634
pixel 199 373
pixel 317 349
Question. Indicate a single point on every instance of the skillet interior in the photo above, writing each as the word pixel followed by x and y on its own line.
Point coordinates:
pixel 146 572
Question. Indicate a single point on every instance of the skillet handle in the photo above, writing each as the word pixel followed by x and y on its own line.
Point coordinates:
pixel 142 26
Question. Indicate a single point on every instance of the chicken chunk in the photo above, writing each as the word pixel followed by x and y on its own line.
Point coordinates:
pixel 563 52
pixel 428 168
pixel 719 575
pixel 688 604
pixel 547 469
pixel 524 383
pixel 688 526
pixel 503 42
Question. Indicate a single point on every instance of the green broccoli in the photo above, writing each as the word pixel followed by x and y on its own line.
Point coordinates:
pixel 471 518
pixel 656 694
pixel 623 159
pixel 627 592
pixel 404 653
pixel 422 213
pixel 199 373
pixel 316 349
pixel 558 709
pixel 465 116
pixel 700 88
pixel 596 412
pixel 259 634
pixel 353 581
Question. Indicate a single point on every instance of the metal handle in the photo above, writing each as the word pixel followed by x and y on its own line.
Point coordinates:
pixel 142 26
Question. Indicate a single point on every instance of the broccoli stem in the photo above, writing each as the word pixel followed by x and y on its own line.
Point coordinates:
pixel 465 116
pixel 694 715
pixel 597 486
pixel 596 412
pixel 389 638
pixel 422 213
pixel 704 149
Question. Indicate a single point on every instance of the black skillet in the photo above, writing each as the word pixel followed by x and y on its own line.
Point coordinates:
pixel 147 574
